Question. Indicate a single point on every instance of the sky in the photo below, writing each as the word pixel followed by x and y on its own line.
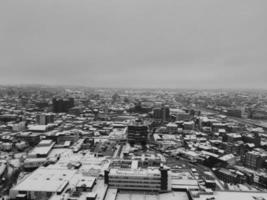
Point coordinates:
pixel 134 43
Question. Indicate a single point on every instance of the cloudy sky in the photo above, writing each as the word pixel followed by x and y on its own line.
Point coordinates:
pixel 134 43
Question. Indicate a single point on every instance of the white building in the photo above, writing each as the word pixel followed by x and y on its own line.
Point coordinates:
pixel 139 179
pixel 42 149
pixel 42 184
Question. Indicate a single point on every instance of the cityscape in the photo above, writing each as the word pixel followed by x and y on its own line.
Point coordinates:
pixel 109 144
pixel 133 100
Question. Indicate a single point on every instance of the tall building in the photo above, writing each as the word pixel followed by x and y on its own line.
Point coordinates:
pixel 165 113
pixel 137 132
pixel 62 105
pixel 255 159
pixel 161 113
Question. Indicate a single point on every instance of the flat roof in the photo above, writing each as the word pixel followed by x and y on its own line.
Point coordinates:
pixel 235 196
pixel 45 180
pixel 41 150
pixel 37 127
pixel 29 160
pixel 134 172
pixel 184 182
pixel 111 194
pixel 227 157
pixel 150 196
pixel 45 142
pixel 86 181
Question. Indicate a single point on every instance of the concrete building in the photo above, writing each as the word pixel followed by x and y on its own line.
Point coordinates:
pixel 42 149
pixel 255 159
pixel 230 176
pixel 42 184
pixel 137 133
pixel 44 119
pixel 149 179
pixel 161 113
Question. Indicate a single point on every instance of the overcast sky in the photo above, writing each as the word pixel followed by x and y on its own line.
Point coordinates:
pixel 134 43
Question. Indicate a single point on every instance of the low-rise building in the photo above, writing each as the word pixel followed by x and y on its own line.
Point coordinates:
pixel 150 179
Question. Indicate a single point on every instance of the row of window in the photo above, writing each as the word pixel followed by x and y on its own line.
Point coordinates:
pixel 136 181
pixel 133 182
pixel 136 177
pixel 134 186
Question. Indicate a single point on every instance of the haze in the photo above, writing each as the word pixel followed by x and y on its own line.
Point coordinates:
pixel 134 43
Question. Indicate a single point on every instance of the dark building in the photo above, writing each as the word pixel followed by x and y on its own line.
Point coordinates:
pixel 31 138
pixel 263 181
pixel 164 179
pixel 161 113
pixel 142 107
pixel 258 114
pixel 8 118
pixel 62 105
pixel 41 105
pixel 230 176
pixel 234 112
pixel 115 98
pixel 137 132
pixel 255 159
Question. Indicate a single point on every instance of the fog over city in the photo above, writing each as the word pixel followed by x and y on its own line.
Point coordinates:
pixel 141 43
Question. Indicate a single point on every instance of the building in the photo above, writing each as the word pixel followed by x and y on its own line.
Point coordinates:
pixel 42 149
pixel 42 184
pixel 21 126
pixel 252 138
pixel 3 170
pixel 33 163
pixel 189 125
pixel 44 119
pixel 232 137
pixel 230 176
pixel 161 113
pixel 72 136
pixel 62 105
pixel 258 114
pixel 229 159
pixel 255 159
pixel 29 137
pixel 234 112
pixel 149 179
pixel 137 132
pixel 172 128
pixel 180 115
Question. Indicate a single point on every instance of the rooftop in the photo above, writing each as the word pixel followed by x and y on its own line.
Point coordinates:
pixel 150 196
pixel 42 149
pixel 235 196
pixel 37 127
pixel 135 172
pixel 45 179
pixel 86 181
